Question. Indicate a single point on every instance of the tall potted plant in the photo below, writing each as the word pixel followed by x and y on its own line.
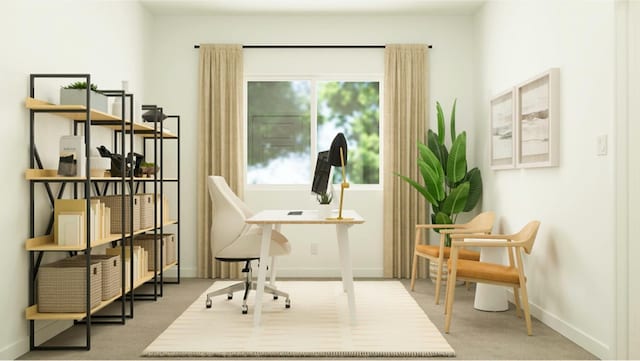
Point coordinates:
pixel 449 186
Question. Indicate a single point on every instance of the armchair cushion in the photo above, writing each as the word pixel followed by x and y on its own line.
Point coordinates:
pixel 485 271
pixel 434 251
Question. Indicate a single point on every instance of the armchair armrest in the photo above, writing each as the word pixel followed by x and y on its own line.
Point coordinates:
pixel 431 226
pixel 464 230
pixel 482 236
pixel 483 244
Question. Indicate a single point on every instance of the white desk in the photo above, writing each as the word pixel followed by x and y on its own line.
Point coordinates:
pixel 269 219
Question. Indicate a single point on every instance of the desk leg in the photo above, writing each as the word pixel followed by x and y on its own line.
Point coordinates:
pixel 272 272
pixel 262 272
pixel 347 273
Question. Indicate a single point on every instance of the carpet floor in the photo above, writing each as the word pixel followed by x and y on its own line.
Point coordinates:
pixel 474 334
pixel 389 324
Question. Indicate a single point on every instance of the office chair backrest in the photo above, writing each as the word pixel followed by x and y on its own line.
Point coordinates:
pixel 229 214
pixel 483 222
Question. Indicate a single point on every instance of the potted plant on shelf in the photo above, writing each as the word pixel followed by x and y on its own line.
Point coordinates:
pixel 148 169
pixel 76 94
pixel 324 206
pixel 449 186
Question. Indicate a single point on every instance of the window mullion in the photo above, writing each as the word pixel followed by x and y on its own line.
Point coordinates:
pixel 313 126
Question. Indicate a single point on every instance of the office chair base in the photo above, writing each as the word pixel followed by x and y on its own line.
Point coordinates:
pixel 246 286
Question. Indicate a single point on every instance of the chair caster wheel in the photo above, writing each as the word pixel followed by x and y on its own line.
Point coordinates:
pixel 230 296
pixel 275 297
pixel 208 304
pixel 287 303
pixel 245 309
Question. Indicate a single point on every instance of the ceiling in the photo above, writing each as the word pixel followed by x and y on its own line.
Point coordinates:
pixel 312 7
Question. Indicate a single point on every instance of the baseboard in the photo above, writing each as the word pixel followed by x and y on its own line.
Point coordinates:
pixel 184 272
pixel 596 347
pixel 44 331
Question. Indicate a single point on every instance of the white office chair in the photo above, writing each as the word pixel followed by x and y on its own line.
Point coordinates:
pixel 232 240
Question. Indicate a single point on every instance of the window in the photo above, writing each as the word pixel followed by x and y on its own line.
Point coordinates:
pixel 288 122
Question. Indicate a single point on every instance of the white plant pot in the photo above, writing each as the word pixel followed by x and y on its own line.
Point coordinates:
pixel 324 211
pixel 433 273
pixel 79 97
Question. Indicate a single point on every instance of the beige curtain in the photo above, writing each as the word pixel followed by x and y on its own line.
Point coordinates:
pixel 220 142
pixel 406 120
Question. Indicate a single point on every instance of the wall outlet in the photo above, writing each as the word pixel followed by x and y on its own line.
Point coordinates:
pixel 314 249
pixel 602 145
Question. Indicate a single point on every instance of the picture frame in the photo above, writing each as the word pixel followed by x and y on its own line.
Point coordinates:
pixel 537 121
pixel 503 132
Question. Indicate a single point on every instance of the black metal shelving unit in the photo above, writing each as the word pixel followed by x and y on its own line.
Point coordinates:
pixel 126 185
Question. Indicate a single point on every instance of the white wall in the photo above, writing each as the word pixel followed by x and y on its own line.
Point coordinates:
pixel 105 39
pixel 632 286
pixel 571 271
pixel 172 81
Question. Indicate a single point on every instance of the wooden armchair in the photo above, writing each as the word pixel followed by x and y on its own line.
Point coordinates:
pixel 480 224
pixel 498 274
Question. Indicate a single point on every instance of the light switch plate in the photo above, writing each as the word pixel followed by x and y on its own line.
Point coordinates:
pixel 602 145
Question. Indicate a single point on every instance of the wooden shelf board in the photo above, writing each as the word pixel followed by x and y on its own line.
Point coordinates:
pixel 32 313
pixel 77 112
pixel 52 175
pixel 45 243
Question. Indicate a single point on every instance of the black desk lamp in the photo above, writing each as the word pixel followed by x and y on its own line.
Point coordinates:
pixel 338 158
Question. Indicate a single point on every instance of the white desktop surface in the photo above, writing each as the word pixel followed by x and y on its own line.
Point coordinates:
pixel 270 219
pixel 281 216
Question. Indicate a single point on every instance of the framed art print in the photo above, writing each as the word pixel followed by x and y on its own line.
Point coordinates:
pixel 537 121
pixel 502 131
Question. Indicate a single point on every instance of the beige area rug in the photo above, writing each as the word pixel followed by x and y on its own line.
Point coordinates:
pixel 389 324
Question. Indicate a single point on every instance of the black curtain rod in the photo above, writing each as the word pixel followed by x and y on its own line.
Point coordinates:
pixel 311 46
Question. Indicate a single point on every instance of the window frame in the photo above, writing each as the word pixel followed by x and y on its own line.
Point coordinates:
pixel 313 78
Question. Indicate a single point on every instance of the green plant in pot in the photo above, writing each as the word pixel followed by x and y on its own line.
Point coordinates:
pixel 81 85
pixel 324 198
pixel 449 186
pixel 76 94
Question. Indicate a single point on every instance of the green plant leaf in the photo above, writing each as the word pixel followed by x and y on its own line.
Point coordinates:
pixel 441 130
pixel 475 189
pixel 432 180
pixel 453 121
pixel 438 149
pixel 443 218
pixel 457 160
pixel 456 200
pixel 432 160
pixel 424 191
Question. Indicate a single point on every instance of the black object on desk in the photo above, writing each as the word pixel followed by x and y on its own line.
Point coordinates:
pixel 294 213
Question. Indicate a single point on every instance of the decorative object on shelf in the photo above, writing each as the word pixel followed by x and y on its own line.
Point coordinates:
pixel 118 164
pixel 324 203
pixel 502 131
pixel 116 106
pixel 338 158
pixel 76 94
pixel 72 160
pixel 154 115
pixel 449 187
pixel 537 120
pixel 148 169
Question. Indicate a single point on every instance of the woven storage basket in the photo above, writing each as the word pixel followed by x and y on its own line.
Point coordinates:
pixel 146 242
pixel 115 203
pixel 146 210
pixel 111 273
pixel 172 248
pixel 62 286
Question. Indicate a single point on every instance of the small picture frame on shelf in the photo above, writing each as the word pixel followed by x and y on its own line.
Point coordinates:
pixel 537 121
pixel 503 131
